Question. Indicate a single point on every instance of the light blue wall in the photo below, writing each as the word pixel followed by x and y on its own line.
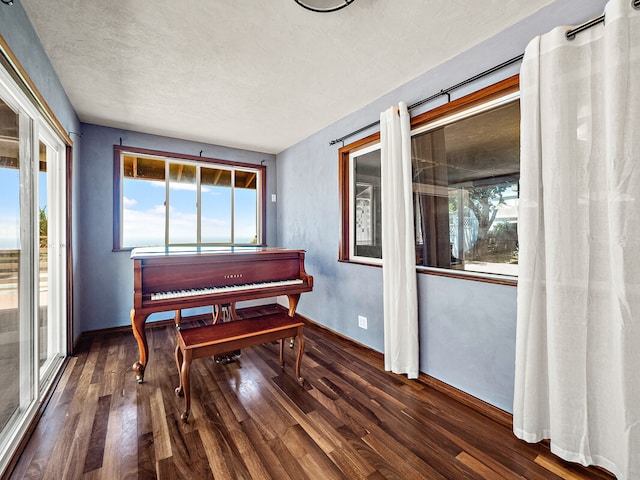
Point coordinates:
pixel 24 43
pixel 467 328
pixel 105 286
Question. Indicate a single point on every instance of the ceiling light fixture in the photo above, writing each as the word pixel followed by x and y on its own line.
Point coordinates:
pixel 10 2
pixel 322 6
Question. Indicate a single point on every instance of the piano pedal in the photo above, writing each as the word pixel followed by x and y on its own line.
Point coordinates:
pixel 292 342
pixel 228 357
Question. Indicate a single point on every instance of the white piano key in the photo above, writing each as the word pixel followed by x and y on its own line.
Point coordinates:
pixel 222 289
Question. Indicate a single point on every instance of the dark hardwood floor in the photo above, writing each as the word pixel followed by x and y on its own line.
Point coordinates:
pixel 251 420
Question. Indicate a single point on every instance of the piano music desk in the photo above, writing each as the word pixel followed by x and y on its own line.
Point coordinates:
pixel 219 338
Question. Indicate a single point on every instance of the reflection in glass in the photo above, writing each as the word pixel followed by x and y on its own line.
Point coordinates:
pixel 10 258
pixel 367 205
pixel 466 178
pixel 43 255
pixel 465 193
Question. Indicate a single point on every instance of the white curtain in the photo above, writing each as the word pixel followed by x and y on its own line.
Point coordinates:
pixel 398 244
pixel 578 333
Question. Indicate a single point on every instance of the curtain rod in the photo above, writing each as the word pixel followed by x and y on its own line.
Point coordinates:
pixel 570 36
pixel 446 91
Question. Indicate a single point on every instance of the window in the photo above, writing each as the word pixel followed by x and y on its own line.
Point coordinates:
pixel 163 199
pixel 466 169
pixel 366 208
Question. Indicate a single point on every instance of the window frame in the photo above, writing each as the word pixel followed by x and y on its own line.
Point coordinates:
pixel 352 207
pixel 57 254
pixel 119 150
pixel 419 124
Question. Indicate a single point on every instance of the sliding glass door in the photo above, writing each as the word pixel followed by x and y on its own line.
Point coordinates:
pixel 32 261
pixel 13 328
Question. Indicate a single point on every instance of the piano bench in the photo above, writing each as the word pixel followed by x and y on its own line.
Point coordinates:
pixel 219 338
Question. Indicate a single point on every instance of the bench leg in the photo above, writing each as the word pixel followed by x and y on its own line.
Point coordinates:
pixel 179 390
pixel 186 385
pixel 300 341
pixel 281 342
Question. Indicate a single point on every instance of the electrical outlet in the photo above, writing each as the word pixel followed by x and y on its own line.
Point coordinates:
pixel 362 322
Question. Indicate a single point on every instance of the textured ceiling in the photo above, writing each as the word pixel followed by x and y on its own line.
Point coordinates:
pixel 255 74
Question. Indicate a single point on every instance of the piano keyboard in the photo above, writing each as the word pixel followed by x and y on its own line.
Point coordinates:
pixel 226 289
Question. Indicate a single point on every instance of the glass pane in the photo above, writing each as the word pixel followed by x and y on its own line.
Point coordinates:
pixel 10 249
pixel 143 202
pixel 183 203
pixel 215 194
pixel 43 254
pixel 430 185
pixel 245 208
pixel 466 192
pixel 367 206
pixel 490 228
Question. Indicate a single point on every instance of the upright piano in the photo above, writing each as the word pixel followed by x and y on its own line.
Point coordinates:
pixel 176 278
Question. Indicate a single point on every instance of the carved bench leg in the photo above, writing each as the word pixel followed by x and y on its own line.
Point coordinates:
pixel 186 385
pixel 300 341
pixel 179 390
pixel 281 342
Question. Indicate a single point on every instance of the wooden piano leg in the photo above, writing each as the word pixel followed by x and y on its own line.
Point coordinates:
pixel 137 323
pixel 186 385
pixel 293 303
pixel 300 340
